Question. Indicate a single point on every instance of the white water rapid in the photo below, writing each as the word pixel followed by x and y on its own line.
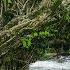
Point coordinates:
pixel 60 64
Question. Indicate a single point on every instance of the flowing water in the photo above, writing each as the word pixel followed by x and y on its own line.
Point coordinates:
pixel 62 63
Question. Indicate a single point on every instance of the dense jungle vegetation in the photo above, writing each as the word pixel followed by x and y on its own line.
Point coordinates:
pixel 33 30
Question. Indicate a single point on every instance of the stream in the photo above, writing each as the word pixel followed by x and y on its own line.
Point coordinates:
pixel 63 63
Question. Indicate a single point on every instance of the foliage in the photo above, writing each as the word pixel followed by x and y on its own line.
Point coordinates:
pixel 56 30
pixel 27 41
pixel 51 36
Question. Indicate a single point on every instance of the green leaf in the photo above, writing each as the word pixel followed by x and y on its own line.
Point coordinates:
pixel 35 34
pixel 41 33
pixel 24 42
pixel 29 42
pixel 46 33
